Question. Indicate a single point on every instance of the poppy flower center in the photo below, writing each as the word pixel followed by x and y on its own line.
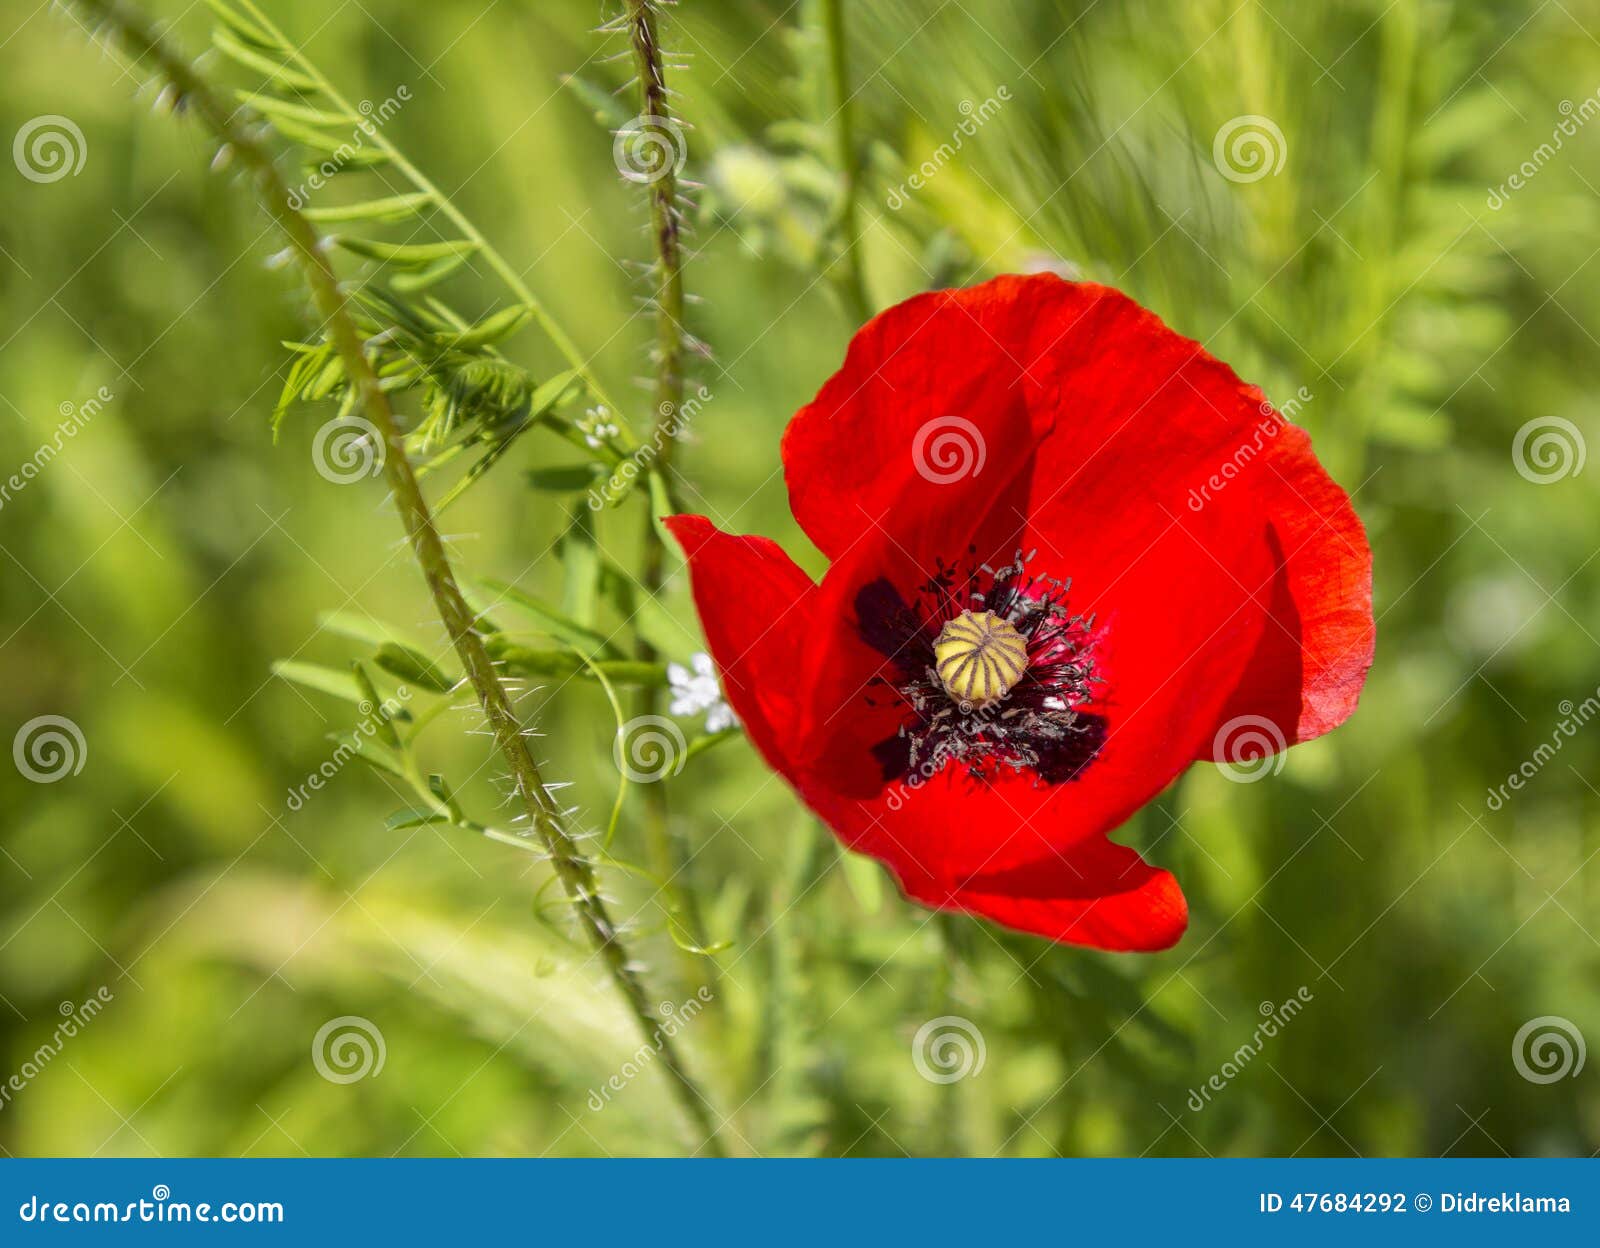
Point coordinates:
pixel 979 657
pixel 988 668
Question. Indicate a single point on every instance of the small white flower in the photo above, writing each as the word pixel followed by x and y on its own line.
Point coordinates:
pixel 597 426
pixel 695 691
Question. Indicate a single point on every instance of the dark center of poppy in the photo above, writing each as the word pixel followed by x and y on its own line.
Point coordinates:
pixel 989 668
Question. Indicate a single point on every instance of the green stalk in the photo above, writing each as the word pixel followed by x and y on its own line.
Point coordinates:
pixel 665 221
pixel 666 235
pixel 853 284
pixel 574 870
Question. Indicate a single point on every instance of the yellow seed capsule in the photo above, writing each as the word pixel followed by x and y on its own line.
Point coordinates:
pixel 979 657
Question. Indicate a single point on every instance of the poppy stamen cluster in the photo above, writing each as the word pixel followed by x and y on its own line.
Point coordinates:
pixel 991 669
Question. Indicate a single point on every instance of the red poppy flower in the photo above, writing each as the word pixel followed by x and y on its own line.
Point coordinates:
pixel 1071 553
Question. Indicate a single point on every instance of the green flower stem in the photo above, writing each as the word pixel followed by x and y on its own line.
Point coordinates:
pixel 666 234
pixel 665 219
pixel 574 870
pixel 853 284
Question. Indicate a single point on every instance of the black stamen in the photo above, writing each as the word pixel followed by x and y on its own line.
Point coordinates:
pixel 1038 726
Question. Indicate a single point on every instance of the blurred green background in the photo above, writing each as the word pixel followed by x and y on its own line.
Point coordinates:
pixel 171 553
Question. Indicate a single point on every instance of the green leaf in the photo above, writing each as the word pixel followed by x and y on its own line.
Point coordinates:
pixel 346 159
pixel 307 365
pixel 380 757
pixel 580 559
pixel 421 279
pixel 327 379
pixel 563 478
pixel 323 679
pixel 358 627
pixel 407 663
pixel 408 255
pixel 560 664
pixel 491 329
pixel 551 392
pixel 402 819
pixel 317 140
pixel 710 741
pixel 660 501
pixel 242 26
pixel 551 620
pixel 268 63
pixel 388 209
pixel 372 705
pixel 274 108
pixel 418 321
pixel 441 790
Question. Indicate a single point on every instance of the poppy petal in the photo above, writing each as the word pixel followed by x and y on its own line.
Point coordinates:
pixel 1101 894
pixel 1094 892
pixel 929 416
pixel 756 606
pixel 1307 673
